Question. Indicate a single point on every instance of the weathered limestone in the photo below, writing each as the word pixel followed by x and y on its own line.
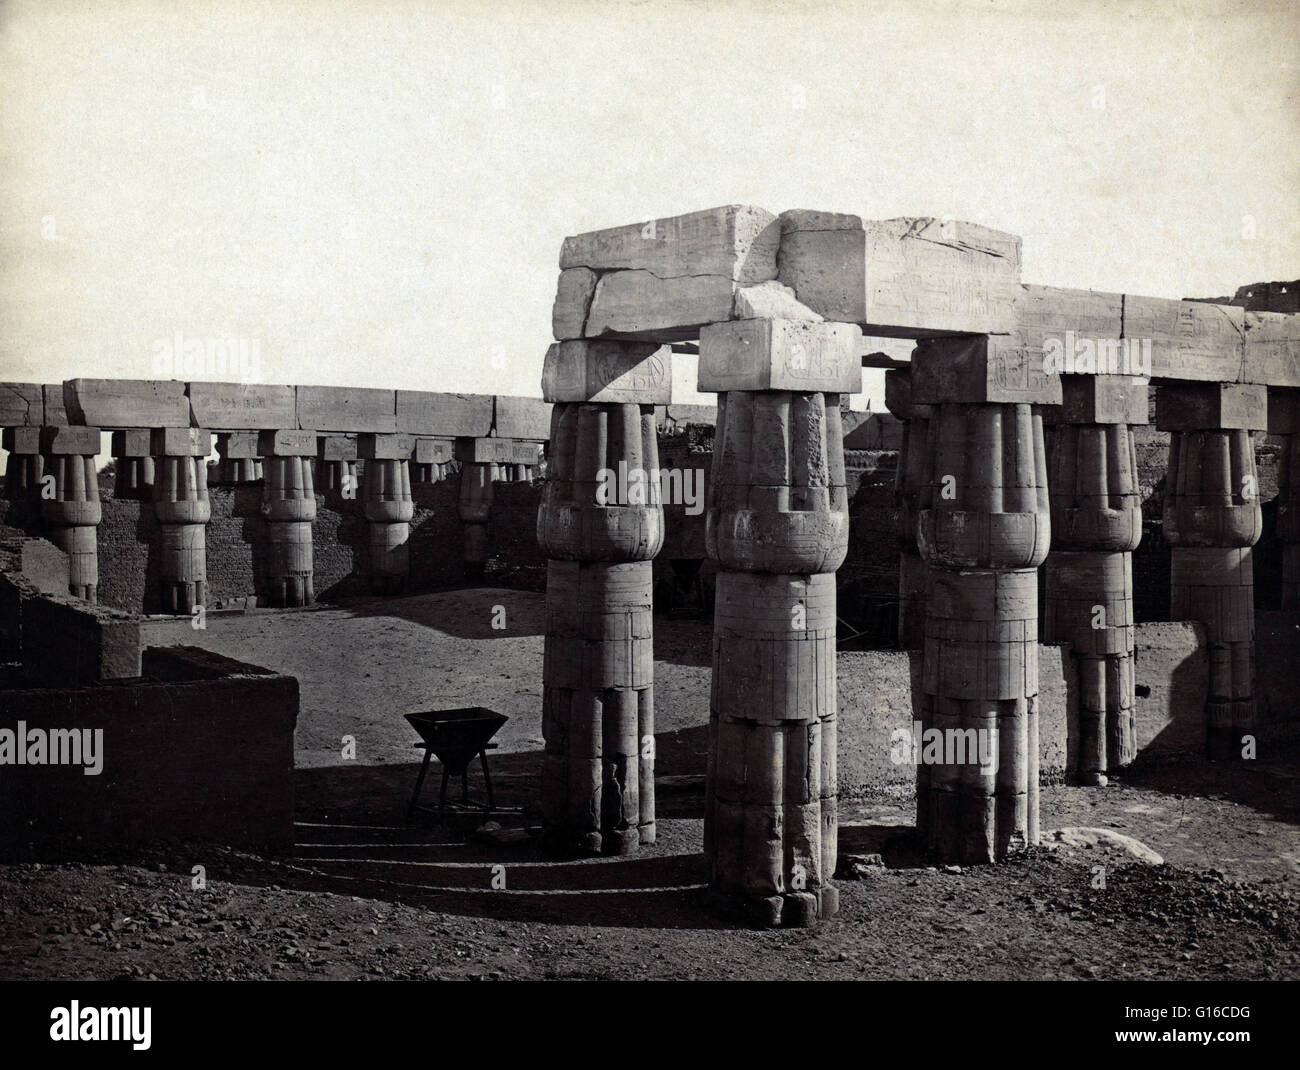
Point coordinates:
pixel 431 462
pixel 1096 509
pixel 664 279
pixel 126 403
pixel 420 412
pixel 289 507
pixel 240 462
pixel 908 278
pixel 133 469
pixel 598 672
pixel 346 408
pixel 182 508
pixel 21 405
pixel 907 492
pixel 1212 518
pixel 25 465
pixel 242 406
pixel 983 529
pixel 1284 421
pixel 386 497
pixel 777 529
pixel 337 464
pixel 70 508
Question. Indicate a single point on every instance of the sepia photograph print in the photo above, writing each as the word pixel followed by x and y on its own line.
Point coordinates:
pixel 733 493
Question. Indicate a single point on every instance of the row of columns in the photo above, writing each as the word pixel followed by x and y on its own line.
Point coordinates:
pixel 169 467
pixel 1212 519
pixel 777 529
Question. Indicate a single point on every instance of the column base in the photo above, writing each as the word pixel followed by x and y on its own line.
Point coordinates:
pixel 791 910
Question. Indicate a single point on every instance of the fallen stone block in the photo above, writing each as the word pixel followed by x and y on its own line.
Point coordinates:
pixel 127 402
pixel 70 642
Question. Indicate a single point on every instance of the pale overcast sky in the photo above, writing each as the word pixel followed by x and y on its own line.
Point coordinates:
pixel 376 192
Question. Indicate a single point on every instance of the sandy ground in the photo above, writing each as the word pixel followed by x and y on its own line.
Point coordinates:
pixel 367 895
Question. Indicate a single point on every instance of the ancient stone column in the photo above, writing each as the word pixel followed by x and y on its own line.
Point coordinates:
pixel 907 490
pixel 777 528
pixel 337 464
pixel 70 507
pixel 289 507
pixel 181 505
pixel 386 498
pixel 25 466
pixel 240 462
pixel 1096 509
pixel 1212 518
pixel 474 506
pixel 983 530
pixel 1284 421
pixel 600 531
pixel 132 465
pixel 431 462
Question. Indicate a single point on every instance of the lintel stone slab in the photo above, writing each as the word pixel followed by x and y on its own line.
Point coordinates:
pixel 77 441
pixel 56 414
pixel 522 418
pixel 496 451
pixel 135 442
pixel 639 305
pixel 911 277
pixel 1189 339
pixel 346 408
pixel 795 355
pixel 1212 406
pixel 240 445
pixel 573 294
pixel 1100 399
pixel 242 406
pixel 621 373
pixel 181 442
pixel 25 440
pixel 422 412
pixel 434 450
pixel 126 402
pixel 1272 349
pixel 338 448
pixel 21 405
pixel 1049 312
pixel 736 242
pixel 385 447
pixel 287 443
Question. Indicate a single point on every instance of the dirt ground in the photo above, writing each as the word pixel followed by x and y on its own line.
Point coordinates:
pixel 366 895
